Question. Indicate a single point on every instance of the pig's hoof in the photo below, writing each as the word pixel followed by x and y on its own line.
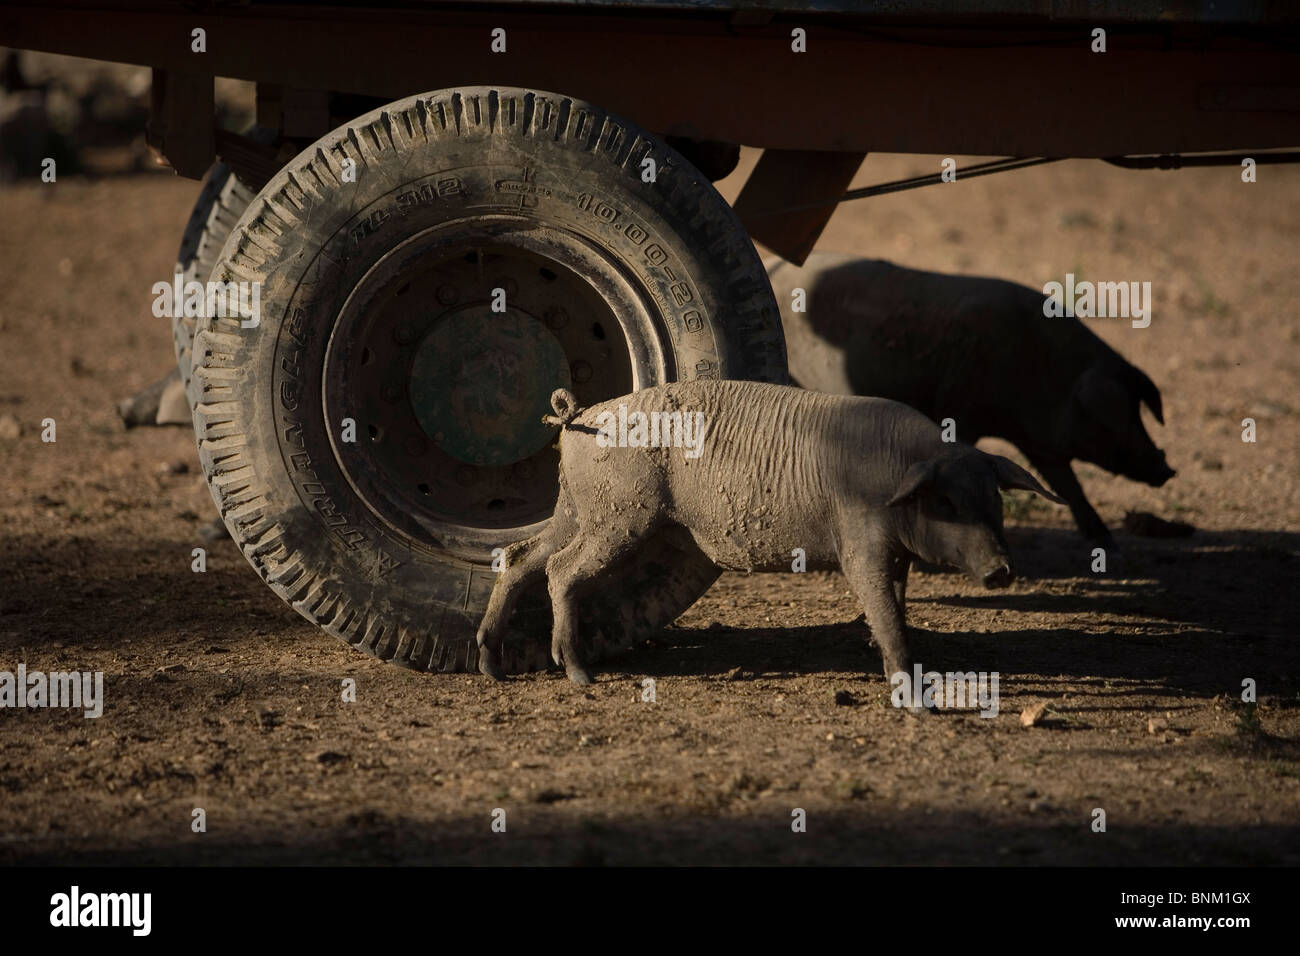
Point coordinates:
pixel 488 661
pixel 578 674
pixel 488 664
pixel 1103 539
pixel 901 667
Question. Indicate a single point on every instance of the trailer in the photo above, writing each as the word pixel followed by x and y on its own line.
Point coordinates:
pixel 447 210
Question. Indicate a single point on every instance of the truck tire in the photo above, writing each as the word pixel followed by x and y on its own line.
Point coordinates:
pixel 429 273
pixel 222 200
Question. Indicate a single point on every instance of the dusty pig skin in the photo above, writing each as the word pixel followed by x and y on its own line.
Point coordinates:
pixel 979 351
pixel 865 485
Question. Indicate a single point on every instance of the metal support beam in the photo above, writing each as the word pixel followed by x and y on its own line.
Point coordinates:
pixel 182 121
pixel 808 180
pixel 995 90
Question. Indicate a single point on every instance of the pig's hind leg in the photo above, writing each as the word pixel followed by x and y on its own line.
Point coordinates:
pixel 571 571
pixel 525 563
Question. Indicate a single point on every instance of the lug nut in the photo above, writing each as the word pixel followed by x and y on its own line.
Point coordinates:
pixel 580 371
pixel 391 392
pixel 403 334
pixel 556 318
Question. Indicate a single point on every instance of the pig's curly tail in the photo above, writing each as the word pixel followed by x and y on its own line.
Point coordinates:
pixel 566 408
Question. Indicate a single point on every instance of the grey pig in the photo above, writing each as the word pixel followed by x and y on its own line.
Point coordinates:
pixel 865 485
pixel 979 351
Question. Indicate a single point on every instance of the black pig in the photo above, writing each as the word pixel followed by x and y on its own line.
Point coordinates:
pixel 979 351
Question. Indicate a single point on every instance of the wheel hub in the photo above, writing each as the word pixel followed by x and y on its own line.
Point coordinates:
pixel 448 396
pixel 481 382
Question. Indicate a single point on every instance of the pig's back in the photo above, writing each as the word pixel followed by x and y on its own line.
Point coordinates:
pixel 778 465
pixel 783 441
pixel 940 343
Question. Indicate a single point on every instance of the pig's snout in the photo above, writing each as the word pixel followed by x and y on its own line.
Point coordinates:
pixel 1156 473
pixel 999 576
pixel 1151 469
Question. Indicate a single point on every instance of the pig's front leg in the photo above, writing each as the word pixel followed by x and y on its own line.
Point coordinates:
pixel 1061 477
pixel 899 567
pixel 874 582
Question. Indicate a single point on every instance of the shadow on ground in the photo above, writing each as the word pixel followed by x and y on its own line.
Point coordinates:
pixel 1192 615
pixel 864 836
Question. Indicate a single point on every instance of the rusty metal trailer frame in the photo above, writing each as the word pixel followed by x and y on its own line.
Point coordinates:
pixel 984 77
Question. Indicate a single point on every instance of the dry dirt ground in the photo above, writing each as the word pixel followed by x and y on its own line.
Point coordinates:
pixel 768 695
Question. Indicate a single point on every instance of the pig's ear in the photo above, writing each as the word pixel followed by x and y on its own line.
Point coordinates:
pixel 1150 395
pixel 916 478
pixel 1010 475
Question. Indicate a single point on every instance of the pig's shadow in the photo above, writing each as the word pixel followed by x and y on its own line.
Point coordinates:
pixel 1174 663
pixel 1236 582
pixel 1191 615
